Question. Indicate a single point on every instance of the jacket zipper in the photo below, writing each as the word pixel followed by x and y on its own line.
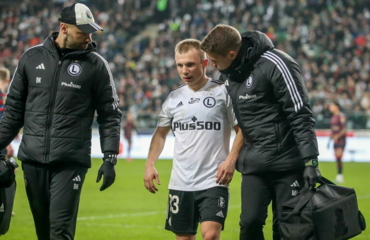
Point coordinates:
pixel 277 137
pixel 54 86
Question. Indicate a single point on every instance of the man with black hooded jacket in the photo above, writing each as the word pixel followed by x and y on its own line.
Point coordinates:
pixel 271 105
pixel 56 89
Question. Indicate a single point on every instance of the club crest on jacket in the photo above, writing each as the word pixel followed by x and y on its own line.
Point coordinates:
pixel 74 69
pixel 249 81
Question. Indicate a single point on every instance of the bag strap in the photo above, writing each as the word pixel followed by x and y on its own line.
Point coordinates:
pixel 306 195
pixel 304 198
pixel 325 181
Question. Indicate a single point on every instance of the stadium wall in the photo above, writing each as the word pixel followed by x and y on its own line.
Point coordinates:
pixel 357 149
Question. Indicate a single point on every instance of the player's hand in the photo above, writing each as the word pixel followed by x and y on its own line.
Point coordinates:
pixel 311 175
pixel 151 174
pixel 9 151
pixel 225 172
pixel 109 175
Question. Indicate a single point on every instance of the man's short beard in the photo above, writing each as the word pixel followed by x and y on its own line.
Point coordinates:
pixel 67 43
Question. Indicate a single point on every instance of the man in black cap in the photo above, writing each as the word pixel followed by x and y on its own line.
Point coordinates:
pixel 54 93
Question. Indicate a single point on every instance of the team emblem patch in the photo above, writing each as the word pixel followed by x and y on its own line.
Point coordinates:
pixel 249 81
pixel 74 69
pixel 88 15
pixel 209 102
pixel 221 202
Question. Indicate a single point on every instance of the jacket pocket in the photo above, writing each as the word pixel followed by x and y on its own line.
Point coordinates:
pixel 241 163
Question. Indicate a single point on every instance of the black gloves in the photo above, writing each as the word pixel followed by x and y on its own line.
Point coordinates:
pixel 107 170
pixel 7 176
pixel 311 175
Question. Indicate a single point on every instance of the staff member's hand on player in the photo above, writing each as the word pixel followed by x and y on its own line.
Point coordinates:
pixel 151 174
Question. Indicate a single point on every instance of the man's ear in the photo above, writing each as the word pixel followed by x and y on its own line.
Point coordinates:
pixel 205 62
pixel 233 54
pixel 63 28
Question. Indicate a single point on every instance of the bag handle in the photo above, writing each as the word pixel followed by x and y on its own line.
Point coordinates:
pixel 324 180
pixel 307 194
pixel 304 198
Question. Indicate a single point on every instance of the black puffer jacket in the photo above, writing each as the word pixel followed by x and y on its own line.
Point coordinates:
pixel 54 99
pixel 271 104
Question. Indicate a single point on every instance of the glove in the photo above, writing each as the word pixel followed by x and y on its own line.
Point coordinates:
pixel 311 175
pixel 106 170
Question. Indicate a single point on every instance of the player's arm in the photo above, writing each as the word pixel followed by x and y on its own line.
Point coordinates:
pixel 331 135
pixel 343 124
pixel 342 133
pixel 226 169
pixel 155 149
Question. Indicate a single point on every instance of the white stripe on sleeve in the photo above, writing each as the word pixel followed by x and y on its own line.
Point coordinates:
pixel 293 91
pixel 114 92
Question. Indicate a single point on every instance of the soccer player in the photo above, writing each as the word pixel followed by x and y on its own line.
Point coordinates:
pixel 4 84
pixel 338 125
pixel 271 104
pixel 201 117
pixel 128 127
pixel 56 89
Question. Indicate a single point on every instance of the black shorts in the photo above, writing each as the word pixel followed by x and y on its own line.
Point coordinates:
pixel 341 143
pixel 185 210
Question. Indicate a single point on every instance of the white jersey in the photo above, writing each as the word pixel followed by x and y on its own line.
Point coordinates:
pixel 201 122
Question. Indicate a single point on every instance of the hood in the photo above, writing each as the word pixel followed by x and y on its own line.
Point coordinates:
pixel 258 44
pixel 254 44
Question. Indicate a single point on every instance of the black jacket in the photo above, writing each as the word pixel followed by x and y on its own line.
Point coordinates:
pixel 55 99
pixel 271 104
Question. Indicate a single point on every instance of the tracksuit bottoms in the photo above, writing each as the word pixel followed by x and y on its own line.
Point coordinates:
pixel 53 192
pixel 257 192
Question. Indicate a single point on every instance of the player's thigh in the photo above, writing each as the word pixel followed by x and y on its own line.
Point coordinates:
pixel 213 205
pixel 339 151
pixel 129 140
pixel 182 216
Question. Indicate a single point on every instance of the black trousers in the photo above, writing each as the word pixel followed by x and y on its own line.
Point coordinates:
pixel 53 193
pixel 257 192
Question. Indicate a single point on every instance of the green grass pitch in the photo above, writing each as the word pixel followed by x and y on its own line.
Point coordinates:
pixel 128 211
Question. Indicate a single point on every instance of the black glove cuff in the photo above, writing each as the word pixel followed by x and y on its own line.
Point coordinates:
pixel 110 157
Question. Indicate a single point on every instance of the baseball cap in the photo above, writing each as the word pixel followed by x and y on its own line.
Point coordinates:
pixel 79 15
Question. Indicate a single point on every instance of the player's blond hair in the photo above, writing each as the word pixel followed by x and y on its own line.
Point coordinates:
pixel 185 45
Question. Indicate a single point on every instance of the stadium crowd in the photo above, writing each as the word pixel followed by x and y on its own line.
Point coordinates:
pixel 329 39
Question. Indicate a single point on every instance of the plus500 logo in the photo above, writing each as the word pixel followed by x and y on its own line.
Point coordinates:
pixel 201 125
